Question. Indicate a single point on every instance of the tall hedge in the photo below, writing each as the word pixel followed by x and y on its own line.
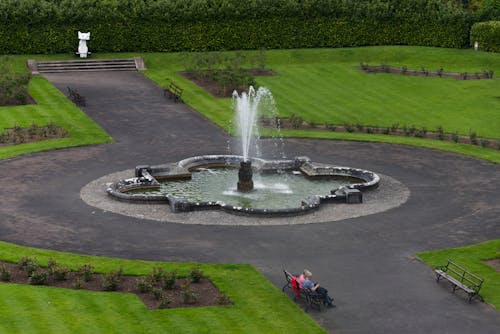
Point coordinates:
pixel 50 26
pixel 490 11
pixel 487 34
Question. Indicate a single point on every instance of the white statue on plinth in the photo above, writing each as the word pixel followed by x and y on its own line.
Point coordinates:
pixel 83 50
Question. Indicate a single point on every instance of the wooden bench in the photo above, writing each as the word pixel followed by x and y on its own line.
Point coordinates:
pixel 460 278
pixel 76 97
pixel 173 92
pixel 311 298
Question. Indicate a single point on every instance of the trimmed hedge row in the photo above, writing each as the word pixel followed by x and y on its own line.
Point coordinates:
pixel 50 26
pixel 487 34
pixel 490 11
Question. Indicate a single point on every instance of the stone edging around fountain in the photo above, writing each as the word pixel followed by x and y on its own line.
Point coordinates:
pixel 390 194
pixel 146 177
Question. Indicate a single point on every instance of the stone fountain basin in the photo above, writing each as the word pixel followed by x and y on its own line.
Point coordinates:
pixel 148 177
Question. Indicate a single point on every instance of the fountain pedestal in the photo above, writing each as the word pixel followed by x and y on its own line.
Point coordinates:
pixel 245 182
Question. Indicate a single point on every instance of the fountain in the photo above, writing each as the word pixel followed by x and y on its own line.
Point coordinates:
pixel 247 109
pixel 264 187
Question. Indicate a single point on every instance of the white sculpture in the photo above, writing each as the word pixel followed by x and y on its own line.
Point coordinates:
pixel 83 50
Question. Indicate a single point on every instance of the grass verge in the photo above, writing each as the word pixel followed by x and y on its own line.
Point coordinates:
pixel 472 258
pixel 259 307
pixel 51 107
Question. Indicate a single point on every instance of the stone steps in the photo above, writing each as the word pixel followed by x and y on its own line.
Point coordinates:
pixel 132 64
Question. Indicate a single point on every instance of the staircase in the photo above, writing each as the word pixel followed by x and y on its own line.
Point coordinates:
pixel 132 64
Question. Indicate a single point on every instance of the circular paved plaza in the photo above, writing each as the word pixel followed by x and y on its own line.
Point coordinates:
pixel 441 200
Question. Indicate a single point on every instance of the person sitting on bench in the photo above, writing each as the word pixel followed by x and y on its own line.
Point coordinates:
pixel 315 288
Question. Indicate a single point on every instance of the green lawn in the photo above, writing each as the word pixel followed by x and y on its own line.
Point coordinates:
pixel 51 107
pixel 325 86
pixel 472 258
pixel 259 307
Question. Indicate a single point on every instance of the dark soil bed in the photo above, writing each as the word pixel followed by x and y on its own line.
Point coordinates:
pixel 298 123
pixel 218 89
pixel 17 102
pixel 34 133
pixel 426 73
pixel 205 292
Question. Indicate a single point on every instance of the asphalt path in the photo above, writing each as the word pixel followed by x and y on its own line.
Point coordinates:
pixel 368 263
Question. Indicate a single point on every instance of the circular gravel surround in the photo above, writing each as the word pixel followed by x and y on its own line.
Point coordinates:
pixel 390 194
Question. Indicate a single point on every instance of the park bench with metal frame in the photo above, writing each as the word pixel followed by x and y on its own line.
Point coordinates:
pixel 173 92
pixel 460 278
pixel 312 299
pixel 76 97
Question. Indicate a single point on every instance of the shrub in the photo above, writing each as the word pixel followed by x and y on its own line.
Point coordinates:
pixel 5 274
pixel 485 142
pixel 28 265
pixel 394 127
pixel 165 301
pixel 38 277
pixel 455 137
pixel 111 281
pixel 223 299
pixel 473 137
pixel 78 283
pixel 169 280
pixel 440 72
pixel 188 294
pixel 330 127
pixel 157 293
pixel 296 121
pixel 51 262
pixel 60 273
pixel 487 34
pixel 440 132
pixel 196 274
pixel 405 130
pixel 86 272
pixel 144 284
pixel 157 274
pixel 348 127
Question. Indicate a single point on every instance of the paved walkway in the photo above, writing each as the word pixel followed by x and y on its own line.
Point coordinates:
pixel 368 262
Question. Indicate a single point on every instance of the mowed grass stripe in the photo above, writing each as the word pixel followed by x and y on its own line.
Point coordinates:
pixel 13 300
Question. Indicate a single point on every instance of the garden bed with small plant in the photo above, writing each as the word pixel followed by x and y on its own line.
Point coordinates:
pixel 423 72
pixel 222 73
pixel 159 289
pixel 34 133
pixel 298 123
pixel 13 86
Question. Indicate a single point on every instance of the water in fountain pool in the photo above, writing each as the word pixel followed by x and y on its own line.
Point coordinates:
pixel 271 190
